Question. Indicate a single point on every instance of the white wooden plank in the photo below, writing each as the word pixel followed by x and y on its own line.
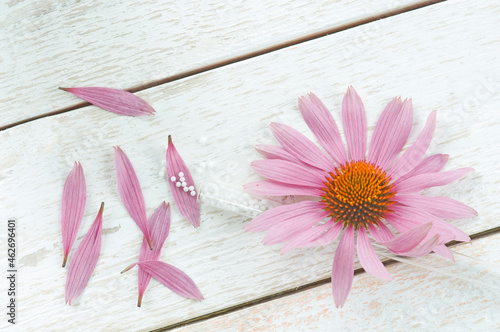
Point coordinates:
pixel 217 117
pixel 124 44
pixel 416 299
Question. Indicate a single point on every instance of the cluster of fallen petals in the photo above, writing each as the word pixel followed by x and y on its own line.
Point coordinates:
pixel 85 258
pixel 352 191
pixel 155 230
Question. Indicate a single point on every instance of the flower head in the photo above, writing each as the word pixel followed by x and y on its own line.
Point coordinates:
pixel 355 191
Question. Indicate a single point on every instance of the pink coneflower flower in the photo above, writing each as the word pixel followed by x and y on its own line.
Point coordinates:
pixel 355 191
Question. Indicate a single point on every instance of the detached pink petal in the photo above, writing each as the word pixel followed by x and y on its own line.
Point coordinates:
pixel 343 267
pixel 301 147
pixel 73 207
pixel 182 185
pixel 113 100
pixel 321 122
pixel 408 240
pixel 414 154
pixel 368 258
pixel 275 188
pixel 130 192
pixel 354 122
pixel 390 133
pixel 289 172
pixel 173 278
pixel 84 260
pixel 159 226
pixel 427 180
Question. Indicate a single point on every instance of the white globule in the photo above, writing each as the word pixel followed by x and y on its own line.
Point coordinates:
pixel 182 179
pixel 173 179
pixel 191 188
pixel 178 184
pixel 184 184
pixel 181 174
pixel 193 193
pixel 185 189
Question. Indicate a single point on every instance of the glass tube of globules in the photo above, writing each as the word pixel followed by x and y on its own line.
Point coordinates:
pixel 234 199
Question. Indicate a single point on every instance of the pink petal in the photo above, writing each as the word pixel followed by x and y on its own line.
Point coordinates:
pixel 274 188
pixel 408 240
pixel 282 214
pixel 186 201
pixel 73 207
pixel 382 234
pixel 368 258
pixel 343 267
pixel 322 124
pixel 159 226
pixel 432 164
pixel 414 154
pixel 301 147
pixel 276 152
pixel 130 192
pixel 113 100
pixel 84 260
pixel 289 172
pixel 354 122
pixel 303 239
pixel 405 222
pixel 283 231
pixel 326 238
pixel 173 278
pixel 416 216
pixel 443 251
pixel 390 133
pixel 442 207
pixel 427 180
pixel 423 248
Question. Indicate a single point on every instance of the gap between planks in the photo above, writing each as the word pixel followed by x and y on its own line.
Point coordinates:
pixel 299 289
pixel 241 57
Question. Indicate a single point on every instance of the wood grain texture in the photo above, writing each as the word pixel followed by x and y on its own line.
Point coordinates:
pixel 416 300
pixel 123 44
pixel 439 55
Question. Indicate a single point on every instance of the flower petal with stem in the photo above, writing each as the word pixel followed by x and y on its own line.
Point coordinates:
pixel 84 260
pixel 130 192
pixel 184 192
pixel 171 277
pixel 72 207
pixel 113 100
pixel 159 226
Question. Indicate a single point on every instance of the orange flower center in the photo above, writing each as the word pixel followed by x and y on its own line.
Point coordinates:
pixel 358 194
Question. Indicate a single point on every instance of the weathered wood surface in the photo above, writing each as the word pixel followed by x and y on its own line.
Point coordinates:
pixel 440 55
pixel 416 300
pixel 124 44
